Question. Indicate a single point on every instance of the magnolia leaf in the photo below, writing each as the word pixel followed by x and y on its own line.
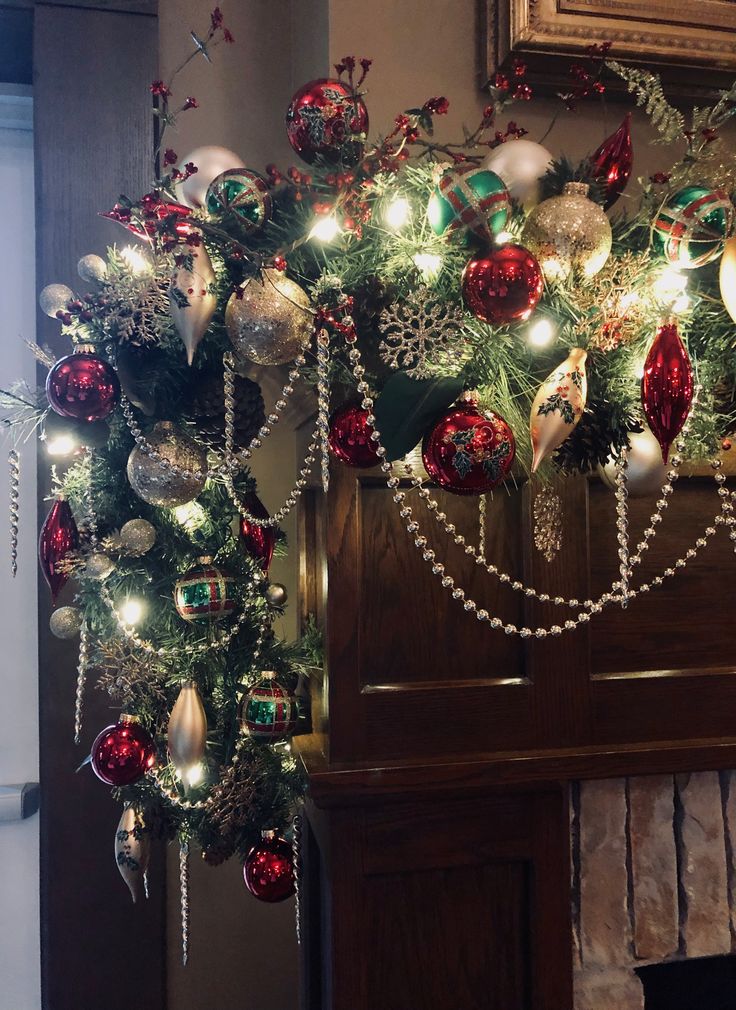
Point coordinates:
pixel 407 408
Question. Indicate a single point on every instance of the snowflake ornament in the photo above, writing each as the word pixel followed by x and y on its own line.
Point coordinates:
pixel 421 334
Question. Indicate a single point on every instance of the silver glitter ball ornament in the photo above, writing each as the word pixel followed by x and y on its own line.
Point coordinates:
pixel 568 233
pixel 54 298
pixel 269 320
pixel 276 594
pixel 66 622
pixel 137 537
pixel 156 483
pixel 98 566
pixel 92 268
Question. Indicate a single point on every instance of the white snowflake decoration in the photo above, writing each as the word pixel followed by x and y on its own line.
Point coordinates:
pixel 421 334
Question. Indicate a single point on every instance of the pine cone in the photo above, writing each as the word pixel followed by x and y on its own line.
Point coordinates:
pixel 602 430
pixel 217 853
pixel 207 409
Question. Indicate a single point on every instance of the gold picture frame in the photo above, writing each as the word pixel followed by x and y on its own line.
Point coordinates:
pixel 692 45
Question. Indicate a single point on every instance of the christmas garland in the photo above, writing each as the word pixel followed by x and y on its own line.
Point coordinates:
pixel 448 295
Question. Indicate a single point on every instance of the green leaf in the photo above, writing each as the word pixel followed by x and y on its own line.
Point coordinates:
pixel 407 408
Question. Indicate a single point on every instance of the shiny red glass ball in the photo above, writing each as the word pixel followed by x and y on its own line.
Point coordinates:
pixel 350 439
pixel 469 451
pixel 259 541
pixel 504 285
pixel 123 753
pixel 269 871
pixel 83 386
pixel 322 118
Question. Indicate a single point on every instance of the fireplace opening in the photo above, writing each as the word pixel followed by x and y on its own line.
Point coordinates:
pixel 703 983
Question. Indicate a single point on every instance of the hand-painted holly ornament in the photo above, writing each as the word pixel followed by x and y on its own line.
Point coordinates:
pixel 667 386
pixel 326 120
pixel 691 228
pixel 558 406
pixel 469 200
pixel 469 450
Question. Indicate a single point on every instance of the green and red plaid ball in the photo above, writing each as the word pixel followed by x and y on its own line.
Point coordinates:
pixel 269 712
pixel 242 193
pixel 205 593
pixel 469 199
pixel 691 228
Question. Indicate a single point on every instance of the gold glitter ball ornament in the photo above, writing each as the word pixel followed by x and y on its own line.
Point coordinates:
pixel 159 484
pixel 98 566
pixel 137 537
pixel 66 622
pixel 269 319
pixel 568 234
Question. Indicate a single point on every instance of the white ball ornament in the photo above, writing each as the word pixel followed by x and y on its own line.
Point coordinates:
pixel 521 164
pixel 645 473
pixel 210 161
pixel 54 298
pixel 92 268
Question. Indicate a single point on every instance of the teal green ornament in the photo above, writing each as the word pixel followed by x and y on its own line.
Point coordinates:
pixel 269 712
pixel 691 228
pixel 241 193
pixel 469 200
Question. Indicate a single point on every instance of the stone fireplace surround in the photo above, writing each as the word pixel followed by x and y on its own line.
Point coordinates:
pixel 653 879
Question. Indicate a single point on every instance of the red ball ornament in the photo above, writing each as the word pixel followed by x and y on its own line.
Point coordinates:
pixel 83 386
pixel 259 541
pixel 469 451
pixel 269 869
pixel 123 753
pixel 350 439
pixel 611 163
pixel 58 538
pixel 667 386
pixel 504 285
pixel 325 120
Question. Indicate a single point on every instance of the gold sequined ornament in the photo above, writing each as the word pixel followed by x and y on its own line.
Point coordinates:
pixel 66 622
pixel 137 537
pixel 98 566
pixel 568 233
pixel 269 319
pixel 132 851
pixel 180 474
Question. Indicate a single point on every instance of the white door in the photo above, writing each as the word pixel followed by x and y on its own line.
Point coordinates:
pixel 20 977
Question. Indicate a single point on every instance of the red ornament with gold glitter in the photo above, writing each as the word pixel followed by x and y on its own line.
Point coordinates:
pixel 205 593
pixel 667 386
pixel 59 537
pixel 350 439
pixel 269 868
pixel 469 451
pixel 504 285
pixel 259 541
pixel 123 753
pixel 326 120
pixel 611 163
pixel 83 386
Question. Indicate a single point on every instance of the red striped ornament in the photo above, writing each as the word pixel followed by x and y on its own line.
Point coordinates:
pixel 691 228
pixel 469 199
pixel 204 593
pixel 269 713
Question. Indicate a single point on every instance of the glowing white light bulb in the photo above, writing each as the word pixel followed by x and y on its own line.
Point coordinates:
pixel 194 774
pixel 541 333
pixel 428 264
pixel 397 213
pixel 638 367
pixel 191 515
pixel 61 445
pixel 136 261
pixel 669 285
pixel 626 301
pixel 504 237
pixel 131 611
pixel 681 303
pixel 325 229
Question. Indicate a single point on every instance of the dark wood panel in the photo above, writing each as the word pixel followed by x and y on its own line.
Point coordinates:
pixel 93 139
pixel 16 46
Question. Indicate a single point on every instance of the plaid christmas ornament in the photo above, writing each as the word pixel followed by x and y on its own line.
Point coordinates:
pixel 691 228
pixel 469 199
pixel 242 193
pixel 269 713
pixel 204 593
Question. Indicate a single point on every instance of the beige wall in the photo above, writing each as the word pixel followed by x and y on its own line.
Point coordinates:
pixel 244 956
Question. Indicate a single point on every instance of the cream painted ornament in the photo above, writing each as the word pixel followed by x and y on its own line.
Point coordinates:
pixel 558 405
pixel 521 164
pixel 192 298
pixel 727 277
pixel 646 472
pixel 187 731
pixel 568 234
pixel 211 161
pixel 133 851
pixel 269 319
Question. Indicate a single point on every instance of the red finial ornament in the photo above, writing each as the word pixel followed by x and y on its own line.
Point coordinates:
pixel 259 541
pixel 667 386
pixel 611 163
pixel 59 537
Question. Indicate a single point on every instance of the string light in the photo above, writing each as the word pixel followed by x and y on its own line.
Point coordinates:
pixel 541 333
pixel 136 261
pixel 191 515
pixel 397 213
pixel 325 229
pixel 428 264
pixel 131 611
pixel 61 445
pixel 669 285
pixel 194 774
pixel 504 237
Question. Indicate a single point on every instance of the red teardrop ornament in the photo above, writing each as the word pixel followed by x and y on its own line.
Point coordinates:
pixel 269 870
pixel 611 163
pixel 59 537
pixel 259 541
pixel 667 386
